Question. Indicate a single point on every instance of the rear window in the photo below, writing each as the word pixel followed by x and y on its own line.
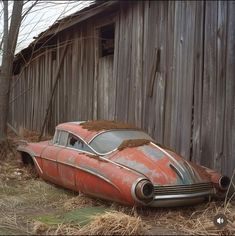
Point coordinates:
pixel 111 140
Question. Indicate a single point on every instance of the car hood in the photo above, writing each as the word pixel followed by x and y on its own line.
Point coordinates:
pixel 160 166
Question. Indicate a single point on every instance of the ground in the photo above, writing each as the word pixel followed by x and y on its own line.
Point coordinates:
pixel 29 205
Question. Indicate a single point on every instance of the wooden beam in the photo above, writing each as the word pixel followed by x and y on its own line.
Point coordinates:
pixel 53 90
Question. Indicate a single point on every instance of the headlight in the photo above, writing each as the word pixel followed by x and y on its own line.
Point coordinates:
pixel 144 190
pixel 224 182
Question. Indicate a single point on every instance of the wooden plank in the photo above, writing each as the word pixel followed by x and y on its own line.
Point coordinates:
pixel 198 80
pixel 146 60
pixel 123 75
pixel 209 85
pixel 57 77
pixel 186 88
pixel 220 83
pixel 169 72
pixel 228 163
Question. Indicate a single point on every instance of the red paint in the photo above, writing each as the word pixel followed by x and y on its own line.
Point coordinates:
pixel 111 179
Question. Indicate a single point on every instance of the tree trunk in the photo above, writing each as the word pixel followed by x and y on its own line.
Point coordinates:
pixel 9 45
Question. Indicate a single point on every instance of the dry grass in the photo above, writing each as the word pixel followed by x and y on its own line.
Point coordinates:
pixel 21 197
pixel 81 201
pixel 40 228
pixel 7 149
pixel 114 223
pixel 32 136
pixel 109 223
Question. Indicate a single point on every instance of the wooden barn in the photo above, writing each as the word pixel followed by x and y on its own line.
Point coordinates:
pixel 166 66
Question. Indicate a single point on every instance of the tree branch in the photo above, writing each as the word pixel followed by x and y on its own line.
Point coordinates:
pixel 29 9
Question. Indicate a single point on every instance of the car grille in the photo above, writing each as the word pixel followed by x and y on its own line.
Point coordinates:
pixel 182 189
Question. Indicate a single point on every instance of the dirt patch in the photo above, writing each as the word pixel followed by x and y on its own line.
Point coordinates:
pixel 133 143
pixel 98 125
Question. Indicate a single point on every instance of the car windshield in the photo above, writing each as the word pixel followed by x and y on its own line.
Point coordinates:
pixel 110 140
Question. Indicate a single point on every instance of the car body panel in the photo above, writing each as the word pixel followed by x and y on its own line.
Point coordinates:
pixel 115 176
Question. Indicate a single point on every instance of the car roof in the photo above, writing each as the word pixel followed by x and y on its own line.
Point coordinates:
pixel 87 130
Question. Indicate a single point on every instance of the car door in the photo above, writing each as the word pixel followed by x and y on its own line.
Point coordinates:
pixel 69 161
pixel 50 156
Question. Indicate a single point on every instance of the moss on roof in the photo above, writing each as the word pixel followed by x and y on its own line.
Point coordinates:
pixel 98 125
pixel 133 143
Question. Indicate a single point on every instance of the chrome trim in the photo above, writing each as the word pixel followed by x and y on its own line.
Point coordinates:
pixel 133 191
pixel 191 169
pixel 32 154
pixel 45 158
pixel 169 155
pixel 176 170
pixel 178 196
pixel 178 202
pixel 91 172
pixel 97 153
pixel 183 189
pixel 80 151
pixel 101 155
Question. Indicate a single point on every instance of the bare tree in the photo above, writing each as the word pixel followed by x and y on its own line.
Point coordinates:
pixel 12 23
pixel 9 46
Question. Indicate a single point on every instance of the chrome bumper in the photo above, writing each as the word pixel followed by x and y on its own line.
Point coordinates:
pixel 181 199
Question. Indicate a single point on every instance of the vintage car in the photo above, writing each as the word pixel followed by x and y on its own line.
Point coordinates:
pixel 119 162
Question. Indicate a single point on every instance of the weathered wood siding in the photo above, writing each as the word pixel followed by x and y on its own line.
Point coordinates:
pixel 172 73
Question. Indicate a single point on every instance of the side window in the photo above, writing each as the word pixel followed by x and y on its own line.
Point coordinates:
pixel 63 137
pixel 56 137
pixel 75 142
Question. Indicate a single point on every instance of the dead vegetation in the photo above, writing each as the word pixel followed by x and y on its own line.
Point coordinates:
pixel 133 143
pixel 32 206
pixel 98 125
pixel 81 201
pixel 7 149
pixel 114 223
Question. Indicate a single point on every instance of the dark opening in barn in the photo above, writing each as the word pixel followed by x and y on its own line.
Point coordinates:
pixel 107 40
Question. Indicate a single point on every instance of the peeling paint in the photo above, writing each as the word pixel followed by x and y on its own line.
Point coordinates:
pixel 151 152
pixel 133 164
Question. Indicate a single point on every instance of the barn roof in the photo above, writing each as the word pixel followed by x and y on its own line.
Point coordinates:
pixel 95 8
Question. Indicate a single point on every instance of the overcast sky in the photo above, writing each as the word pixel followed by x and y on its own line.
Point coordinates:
pixel 44 14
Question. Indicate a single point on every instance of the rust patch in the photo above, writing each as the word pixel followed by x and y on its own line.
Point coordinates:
pixel 96 157
pixel 133 143
pixel 98 125
pixel 200 171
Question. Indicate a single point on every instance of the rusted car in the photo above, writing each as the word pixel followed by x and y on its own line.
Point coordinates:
pixel 119 162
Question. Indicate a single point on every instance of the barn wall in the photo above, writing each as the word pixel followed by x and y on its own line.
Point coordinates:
pixel 172 73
